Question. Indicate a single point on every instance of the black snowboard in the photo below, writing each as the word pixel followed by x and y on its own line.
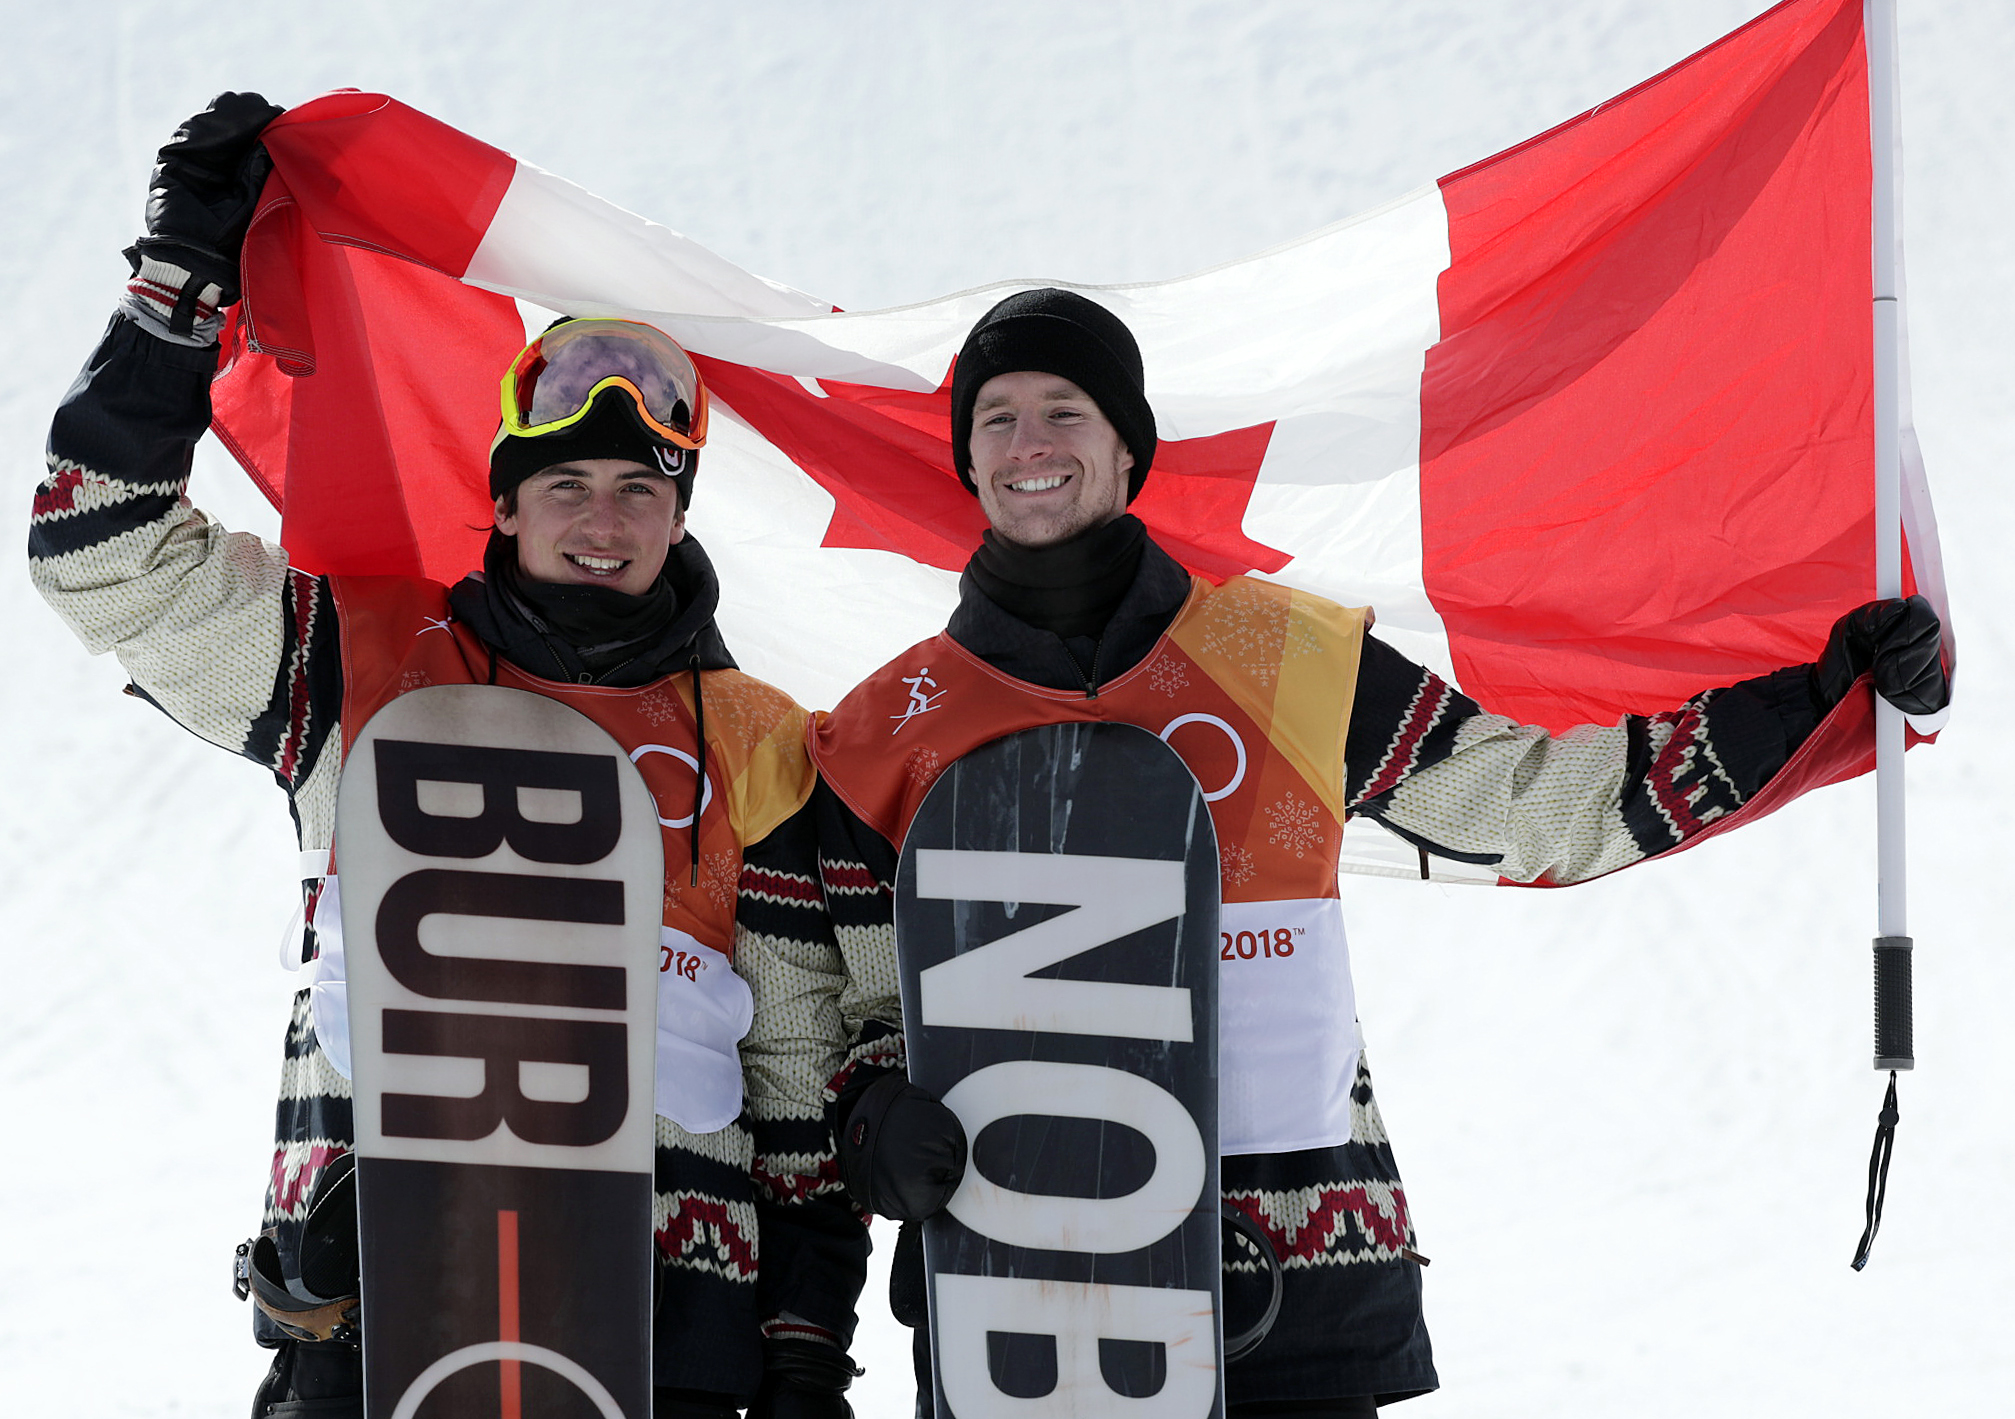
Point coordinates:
pixel 1056 922
pixel 501 873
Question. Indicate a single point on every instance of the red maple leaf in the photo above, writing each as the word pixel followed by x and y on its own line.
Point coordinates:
pixel 885 456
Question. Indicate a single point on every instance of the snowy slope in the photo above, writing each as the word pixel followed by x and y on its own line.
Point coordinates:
pixel 1633 1117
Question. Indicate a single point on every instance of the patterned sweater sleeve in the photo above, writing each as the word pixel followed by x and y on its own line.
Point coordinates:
pixel 814 1244
pixel 1429 763
pixel 857 870
pixel 212 626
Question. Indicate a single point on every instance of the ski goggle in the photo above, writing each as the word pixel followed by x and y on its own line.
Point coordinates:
pixel 553 382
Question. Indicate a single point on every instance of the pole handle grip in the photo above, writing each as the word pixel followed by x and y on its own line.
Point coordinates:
pixel 1894 1043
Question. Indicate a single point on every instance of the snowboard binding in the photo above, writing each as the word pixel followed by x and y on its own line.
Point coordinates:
pixel 1245 1244
pixel 322 1304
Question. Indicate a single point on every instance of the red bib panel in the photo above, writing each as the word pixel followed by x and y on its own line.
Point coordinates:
pixel 399 634
pixel 1251 685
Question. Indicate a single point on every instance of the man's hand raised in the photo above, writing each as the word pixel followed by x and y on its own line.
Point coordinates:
pixel 200 200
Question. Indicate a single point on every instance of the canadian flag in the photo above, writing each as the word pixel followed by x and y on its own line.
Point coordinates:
pixel 1589 423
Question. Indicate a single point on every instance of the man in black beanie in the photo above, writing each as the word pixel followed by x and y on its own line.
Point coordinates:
pixel 1080 616
pixel 593 594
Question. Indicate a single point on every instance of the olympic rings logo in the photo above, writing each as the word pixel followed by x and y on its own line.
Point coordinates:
pixel 1237 744
pixel 706 792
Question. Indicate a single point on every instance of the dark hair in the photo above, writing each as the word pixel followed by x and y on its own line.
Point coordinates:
pixel 613 428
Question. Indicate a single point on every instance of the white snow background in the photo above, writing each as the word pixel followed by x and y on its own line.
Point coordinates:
pixel 1633 1117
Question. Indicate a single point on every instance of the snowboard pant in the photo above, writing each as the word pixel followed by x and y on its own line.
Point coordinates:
pixel 908 1305
pixel 312 1381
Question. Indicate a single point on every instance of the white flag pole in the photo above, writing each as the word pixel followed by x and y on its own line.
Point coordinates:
pixel 1894 1048
pixel 1892 898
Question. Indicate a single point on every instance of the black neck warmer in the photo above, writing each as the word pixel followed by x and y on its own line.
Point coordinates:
pixel 1069 588
pixel 595 634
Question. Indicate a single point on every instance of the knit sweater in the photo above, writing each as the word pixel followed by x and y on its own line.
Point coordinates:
pixel 1419 757
pixel 217 630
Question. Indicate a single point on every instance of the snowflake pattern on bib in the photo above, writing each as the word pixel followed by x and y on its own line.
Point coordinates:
pixel 922 766
pixel 743 711
pixel 719 875
pixel 1297 826
pixel 1166 676
pixel 1257 628
pixel 720 872
pixel 660 706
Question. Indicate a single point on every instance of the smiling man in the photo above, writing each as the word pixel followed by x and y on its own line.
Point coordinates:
pixel 1293 717
pixel 592 593
pixel 1056 466
pixel 594 522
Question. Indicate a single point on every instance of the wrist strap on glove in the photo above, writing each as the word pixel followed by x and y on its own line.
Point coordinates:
pixel 171 300
pixel 815 1365
pixel 803 1379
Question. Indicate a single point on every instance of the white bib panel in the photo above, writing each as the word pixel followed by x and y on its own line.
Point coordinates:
pixel 704 1009
pixel 328 989
pixel 1288 1039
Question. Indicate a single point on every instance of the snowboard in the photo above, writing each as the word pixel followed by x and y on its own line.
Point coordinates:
pixel 1056 928
pixel 502 883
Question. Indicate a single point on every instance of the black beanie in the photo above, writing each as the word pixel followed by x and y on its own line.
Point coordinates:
pixel 612 429
pixel 1061 333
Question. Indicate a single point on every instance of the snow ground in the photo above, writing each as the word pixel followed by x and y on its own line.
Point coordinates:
pixel 1633 1117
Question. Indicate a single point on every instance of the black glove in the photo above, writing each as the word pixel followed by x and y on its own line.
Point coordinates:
pixel 902 1153
pixel 803 1379
pixel 1898 641
pixel 909 1292
pixel 200 200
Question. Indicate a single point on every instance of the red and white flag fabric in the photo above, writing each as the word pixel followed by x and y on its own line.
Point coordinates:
pixel 1589 423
